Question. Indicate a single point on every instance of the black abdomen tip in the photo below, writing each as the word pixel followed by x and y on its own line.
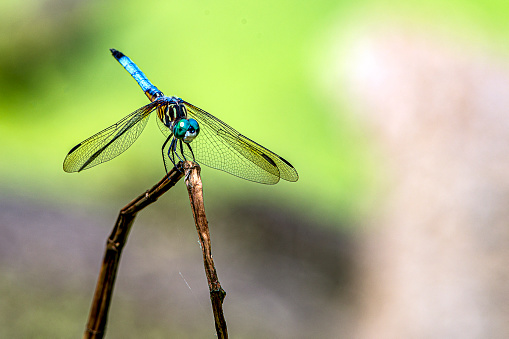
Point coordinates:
pixel 116 54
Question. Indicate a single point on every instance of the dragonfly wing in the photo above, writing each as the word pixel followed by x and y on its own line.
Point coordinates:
pixel 108 143
pixel 220 146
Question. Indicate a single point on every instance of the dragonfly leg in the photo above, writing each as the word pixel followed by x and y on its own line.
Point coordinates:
pixel 182 150
pixel 174 150
pixel 162 151
pixel 171 152
pixel 189 146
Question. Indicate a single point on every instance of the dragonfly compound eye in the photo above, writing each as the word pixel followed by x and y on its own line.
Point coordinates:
pixel 192 131
pixel 180 128
pixel 186 130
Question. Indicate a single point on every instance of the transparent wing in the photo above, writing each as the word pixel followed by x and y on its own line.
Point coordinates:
pixel 222 147
pixel 108 143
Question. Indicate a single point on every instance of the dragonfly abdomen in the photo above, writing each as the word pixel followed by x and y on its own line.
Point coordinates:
pixel 148 88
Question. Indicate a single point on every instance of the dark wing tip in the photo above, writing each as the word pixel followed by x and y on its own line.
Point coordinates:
pixel 293 176
pixel 116 54
pixel 74 148
pixel 286 162
pixel 289 175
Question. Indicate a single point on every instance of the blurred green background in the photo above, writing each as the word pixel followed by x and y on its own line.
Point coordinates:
pixel 285 254
pixel 250 65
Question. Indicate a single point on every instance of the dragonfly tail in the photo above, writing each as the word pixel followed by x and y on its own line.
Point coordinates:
pixel 148 88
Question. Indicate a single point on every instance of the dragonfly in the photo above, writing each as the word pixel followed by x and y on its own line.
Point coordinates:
pixel 191 133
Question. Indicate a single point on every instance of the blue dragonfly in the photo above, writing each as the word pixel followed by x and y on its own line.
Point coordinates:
pixel 191 133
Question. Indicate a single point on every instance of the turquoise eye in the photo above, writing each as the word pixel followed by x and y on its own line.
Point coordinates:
pixel 192 131
pixel 195 126
pixel 180 129
pixel 186 130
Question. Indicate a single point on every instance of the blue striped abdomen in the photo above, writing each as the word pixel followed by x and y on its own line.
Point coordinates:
pixel 150 90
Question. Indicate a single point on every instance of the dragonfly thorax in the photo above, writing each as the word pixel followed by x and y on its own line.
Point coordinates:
pixel 173 114
pixel 170 110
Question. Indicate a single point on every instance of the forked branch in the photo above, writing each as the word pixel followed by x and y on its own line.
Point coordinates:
pixel 96 325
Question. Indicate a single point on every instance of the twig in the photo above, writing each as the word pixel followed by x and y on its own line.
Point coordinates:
pixel 98 316
pixel 217 294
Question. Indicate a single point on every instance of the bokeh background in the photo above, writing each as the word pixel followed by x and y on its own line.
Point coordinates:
pixel 393 112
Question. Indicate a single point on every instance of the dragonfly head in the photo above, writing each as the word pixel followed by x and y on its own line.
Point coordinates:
pixel 186 130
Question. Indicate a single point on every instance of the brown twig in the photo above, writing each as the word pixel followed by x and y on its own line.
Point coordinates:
pixel 98 316
pixel 217 294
